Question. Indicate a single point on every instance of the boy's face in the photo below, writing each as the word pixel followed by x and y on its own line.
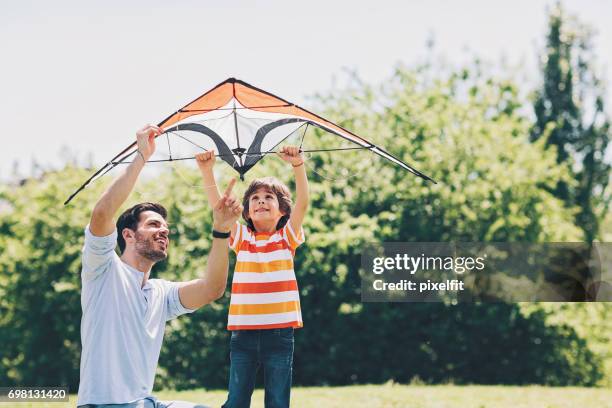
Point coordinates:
pixel 264 207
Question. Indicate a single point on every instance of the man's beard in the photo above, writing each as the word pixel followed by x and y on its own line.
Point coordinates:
pixel 146 249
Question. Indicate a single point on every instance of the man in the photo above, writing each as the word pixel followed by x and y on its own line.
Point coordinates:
pixel 124 312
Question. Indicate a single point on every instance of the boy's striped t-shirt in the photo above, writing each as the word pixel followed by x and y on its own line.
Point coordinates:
pixel 264 289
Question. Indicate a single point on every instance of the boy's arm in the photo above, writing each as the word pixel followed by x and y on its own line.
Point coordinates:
pixel 101 223
pixel 206 161
pixel 292 154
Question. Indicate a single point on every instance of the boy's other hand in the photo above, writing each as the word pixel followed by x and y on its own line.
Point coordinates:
pixel 205 160
pixel 227 210
pixel 145 140
pixel 291 154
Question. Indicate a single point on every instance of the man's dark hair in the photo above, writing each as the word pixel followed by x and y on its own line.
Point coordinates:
pixel 131 216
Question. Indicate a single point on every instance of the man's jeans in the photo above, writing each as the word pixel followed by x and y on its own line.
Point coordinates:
pixel 148 403
pixel 271 348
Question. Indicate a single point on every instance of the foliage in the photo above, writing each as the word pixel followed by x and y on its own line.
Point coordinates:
pixel 592 321
pixel 465 130
pixel 572 119
pixel 39 280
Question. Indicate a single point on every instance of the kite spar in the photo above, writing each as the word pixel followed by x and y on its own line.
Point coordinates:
pixel 242 124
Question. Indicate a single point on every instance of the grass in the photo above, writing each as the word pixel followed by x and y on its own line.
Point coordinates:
pixel 403 396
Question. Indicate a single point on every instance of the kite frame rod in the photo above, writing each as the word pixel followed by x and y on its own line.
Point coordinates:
pixel 236 108
pixel 249 154
pixel 82 187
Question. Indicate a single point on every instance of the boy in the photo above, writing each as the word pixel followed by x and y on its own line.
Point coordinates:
pixel 265 305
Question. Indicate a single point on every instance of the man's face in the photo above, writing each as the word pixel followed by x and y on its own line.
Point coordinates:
pixel 151 237
pixel 263 206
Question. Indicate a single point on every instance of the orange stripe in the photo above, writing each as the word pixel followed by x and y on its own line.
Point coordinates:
pixel 262 236
pixel 266 287
pixel 271 266
pixel 292 242
pixel 300 234
pixel 294 324
pixel 269 247
pixel 268 308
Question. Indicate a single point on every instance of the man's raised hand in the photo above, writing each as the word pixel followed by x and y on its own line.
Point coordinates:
pixel 101 223
pixel 227 210
pixel 145 139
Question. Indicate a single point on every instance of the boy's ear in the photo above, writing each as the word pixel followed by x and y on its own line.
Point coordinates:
pixel 282 211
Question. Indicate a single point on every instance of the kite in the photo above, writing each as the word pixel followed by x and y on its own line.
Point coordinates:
pixel 242 124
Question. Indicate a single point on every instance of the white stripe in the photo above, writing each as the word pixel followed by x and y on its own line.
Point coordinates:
pixel 236 320
pixel 264 298
pixel 295 238
pixel 251 236
pixel 280 255
pixel 263 277
pixel 263 242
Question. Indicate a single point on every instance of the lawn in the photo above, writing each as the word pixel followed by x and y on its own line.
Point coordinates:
pixel 404 396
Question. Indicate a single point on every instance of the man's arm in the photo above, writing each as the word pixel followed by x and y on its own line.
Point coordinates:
pixel 292 155
pixel 199 292
pixel 103 214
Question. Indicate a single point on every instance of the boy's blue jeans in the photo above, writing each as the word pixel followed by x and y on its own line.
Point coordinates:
pixel 270 348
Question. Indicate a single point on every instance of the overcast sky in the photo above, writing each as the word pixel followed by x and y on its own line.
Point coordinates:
pixel 87 76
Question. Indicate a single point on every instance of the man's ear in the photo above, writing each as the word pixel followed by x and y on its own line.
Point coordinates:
pixel 127 233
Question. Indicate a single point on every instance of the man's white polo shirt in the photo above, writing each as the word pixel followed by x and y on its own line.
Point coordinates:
pixel 122 326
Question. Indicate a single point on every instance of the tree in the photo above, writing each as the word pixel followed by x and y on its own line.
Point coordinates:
pixel 571 117
pixel 465 130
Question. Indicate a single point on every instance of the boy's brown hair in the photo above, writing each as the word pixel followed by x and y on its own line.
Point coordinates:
pixel 275 186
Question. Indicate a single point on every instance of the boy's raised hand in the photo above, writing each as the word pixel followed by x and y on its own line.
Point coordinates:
pixel 205 160
pixel 291 154
pixel 227 210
